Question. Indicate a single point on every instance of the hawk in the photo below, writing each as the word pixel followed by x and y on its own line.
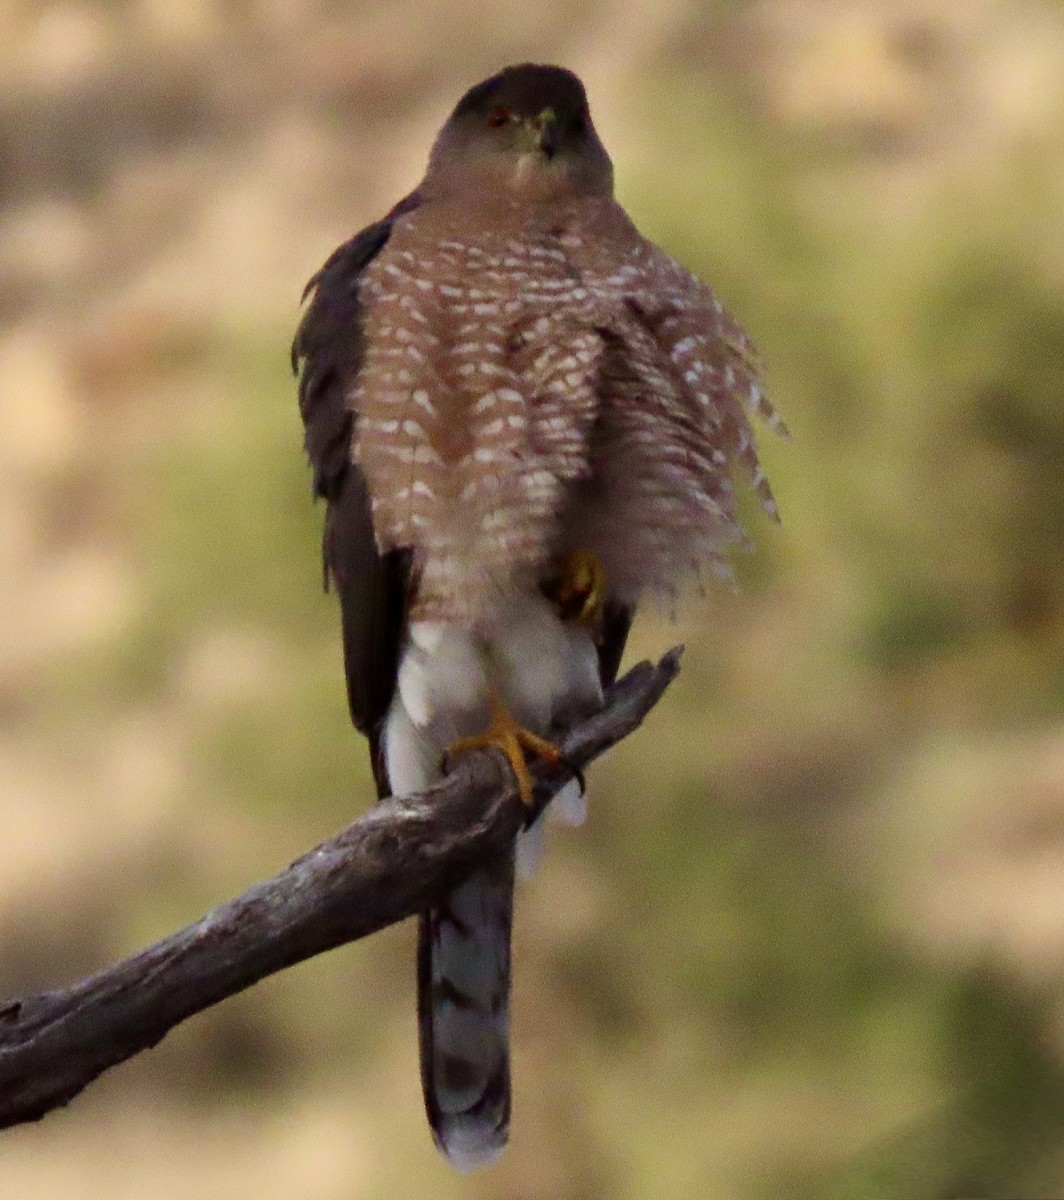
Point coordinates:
pixel 524 418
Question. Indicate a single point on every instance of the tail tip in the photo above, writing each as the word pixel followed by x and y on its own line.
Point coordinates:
pixel 468 1146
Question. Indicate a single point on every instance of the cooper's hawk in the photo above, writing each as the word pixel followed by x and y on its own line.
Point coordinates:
pixel 524 417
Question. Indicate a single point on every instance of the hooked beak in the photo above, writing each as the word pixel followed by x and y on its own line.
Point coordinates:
pixel 541 133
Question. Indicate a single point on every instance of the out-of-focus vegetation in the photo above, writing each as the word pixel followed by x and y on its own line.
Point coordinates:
pixel 810 942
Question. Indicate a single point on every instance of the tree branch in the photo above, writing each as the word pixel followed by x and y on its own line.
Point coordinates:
pixel 390 864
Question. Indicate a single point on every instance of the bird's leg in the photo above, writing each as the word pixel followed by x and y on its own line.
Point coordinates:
pixel 580 593
pixel 507 734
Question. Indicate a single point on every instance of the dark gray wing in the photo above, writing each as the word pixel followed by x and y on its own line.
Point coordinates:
pixel 327 353
pixel 616 622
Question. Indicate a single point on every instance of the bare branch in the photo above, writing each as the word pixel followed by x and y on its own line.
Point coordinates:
pixel 390 864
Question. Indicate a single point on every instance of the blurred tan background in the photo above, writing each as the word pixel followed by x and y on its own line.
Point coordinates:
pixel 811 942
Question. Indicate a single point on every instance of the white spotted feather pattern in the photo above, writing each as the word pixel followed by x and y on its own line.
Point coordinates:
pixel 549 380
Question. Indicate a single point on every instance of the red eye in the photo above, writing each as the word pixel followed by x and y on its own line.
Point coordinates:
pixel 498 116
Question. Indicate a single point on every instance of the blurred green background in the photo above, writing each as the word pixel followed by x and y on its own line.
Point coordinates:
pixel 811 941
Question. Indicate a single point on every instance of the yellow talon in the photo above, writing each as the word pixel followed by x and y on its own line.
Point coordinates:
pixel 505 733
pixel 581 594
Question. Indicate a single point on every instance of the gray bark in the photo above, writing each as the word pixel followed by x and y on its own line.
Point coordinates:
pixel 390 864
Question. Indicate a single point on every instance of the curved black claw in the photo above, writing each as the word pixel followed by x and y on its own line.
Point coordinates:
pixel 531 817
pixel 575 771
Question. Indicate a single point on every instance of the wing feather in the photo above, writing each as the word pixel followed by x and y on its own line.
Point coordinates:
pixel 328 352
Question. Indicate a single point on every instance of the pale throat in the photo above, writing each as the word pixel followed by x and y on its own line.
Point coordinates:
pixel 532 175
pixel 533 178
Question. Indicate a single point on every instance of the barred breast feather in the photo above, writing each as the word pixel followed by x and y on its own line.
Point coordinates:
pixel 545 383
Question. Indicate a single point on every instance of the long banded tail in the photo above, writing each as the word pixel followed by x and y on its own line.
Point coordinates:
pixel 464 1016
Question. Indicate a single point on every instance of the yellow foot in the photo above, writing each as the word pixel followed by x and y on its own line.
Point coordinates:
pixel 505 733
pixel 581 592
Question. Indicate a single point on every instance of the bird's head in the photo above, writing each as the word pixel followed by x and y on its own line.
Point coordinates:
pixel 526 131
